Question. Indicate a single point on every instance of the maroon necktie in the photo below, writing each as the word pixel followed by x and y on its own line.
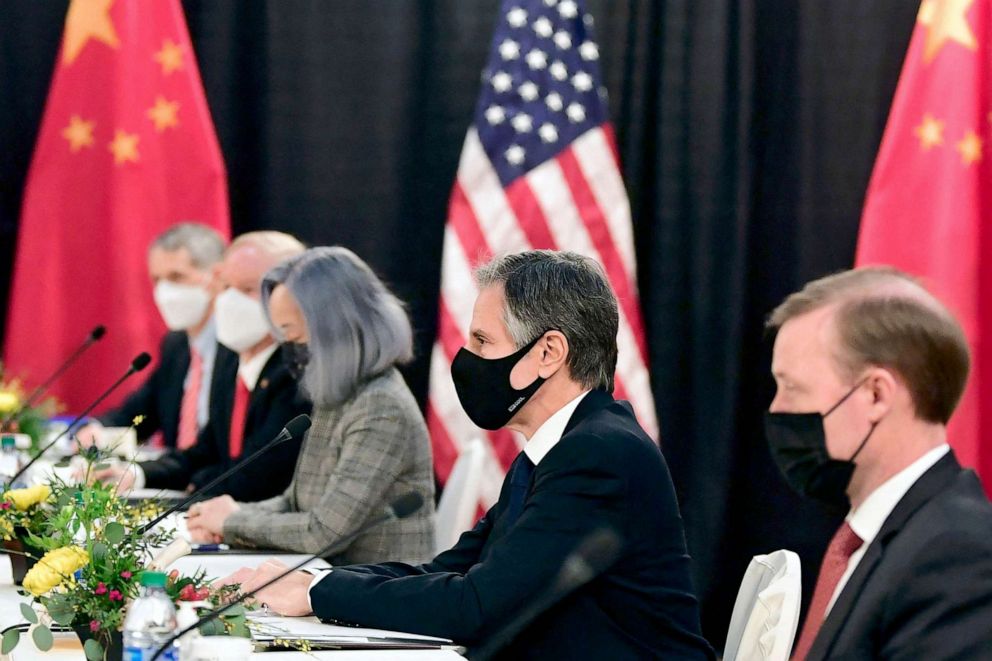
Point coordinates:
pixel 842 546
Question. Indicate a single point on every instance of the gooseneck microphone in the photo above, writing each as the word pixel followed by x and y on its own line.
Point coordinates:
pixel 400 508
pixel 94 335
pixel 594 554
pixel 295 428
pixel 139 363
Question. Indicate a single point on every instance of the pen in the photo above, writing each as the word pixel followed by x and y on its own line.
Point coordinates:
pixel 210 547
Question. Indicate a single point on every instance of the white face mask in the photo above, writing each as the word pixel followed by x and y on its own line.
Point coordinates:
pixel 241 322
pixel 181 306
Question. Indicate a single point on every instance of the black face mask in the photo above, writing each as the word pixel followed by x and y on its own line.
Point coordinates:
pixel 483 386
pixel 799 447
pixel 296 355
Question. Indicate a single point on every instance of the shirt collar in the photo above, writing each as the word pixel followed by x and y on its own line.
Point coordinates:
pixel 207 339
pixel 250 370
pixel 548 434
pixel 868 518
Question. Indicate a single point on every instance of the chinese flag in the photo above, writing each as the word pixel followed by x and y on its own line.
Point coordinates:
pixel 929 205
pixel 126 149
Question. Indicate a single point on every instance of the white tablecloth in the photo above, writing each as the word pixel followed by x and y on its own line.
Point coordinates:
pixel 67 647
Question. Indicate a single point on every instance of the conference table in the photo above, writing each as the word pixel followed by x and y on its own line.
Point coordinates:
pixel 68 648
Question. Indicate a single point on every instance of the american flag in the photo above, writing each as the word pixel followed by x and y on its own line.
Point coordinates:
pixel 539 169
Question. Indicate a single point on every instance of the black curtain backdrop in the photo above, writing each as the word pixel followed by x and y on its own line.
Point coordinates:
pixel 747 133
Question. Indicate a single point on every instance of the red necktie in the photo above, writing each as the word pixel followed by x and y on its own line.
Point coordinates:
pixel 238 413
pixel 188 425
pixel 842 546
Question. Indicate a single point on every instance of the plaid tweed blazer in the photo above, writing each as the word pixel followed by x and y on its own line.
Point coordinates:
pixel 356 459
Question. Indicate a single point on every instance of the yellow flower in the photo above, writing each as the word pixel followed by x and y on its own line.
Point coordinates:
pixel 138 419
pixel 55 568
pixel 6 529
pixel 25 498
pixel 9 401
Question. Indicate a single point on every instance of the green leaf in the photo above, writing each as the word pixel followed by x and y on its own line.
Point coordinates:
pixel 99 551
pixel 233 612
pixel 114 532
pixel 213 628
pixel 64 500
pixel 10 640
pixel 61 610
pixel 93 650
pixel 29 613
pixel 42 636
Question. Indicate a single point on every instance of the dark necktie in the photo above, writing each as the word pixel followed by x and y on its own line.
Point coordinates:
pixel 520 476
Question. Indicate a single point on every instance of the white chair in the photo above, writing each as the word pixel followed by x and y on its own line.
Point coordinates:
pixel 456 512
pixel 766 612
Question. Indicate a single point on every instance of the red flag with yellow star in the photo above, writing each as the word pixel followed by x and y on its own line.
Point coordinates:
pixel 929 202
pixel 126 149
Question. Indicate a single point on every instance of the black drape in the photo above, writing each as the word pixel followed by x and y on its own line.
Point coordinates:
pixel 747 132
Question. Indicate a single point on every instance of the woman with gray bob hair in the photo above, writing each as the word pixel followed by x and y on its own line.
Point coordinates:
pixel 357 328
pixel 368 444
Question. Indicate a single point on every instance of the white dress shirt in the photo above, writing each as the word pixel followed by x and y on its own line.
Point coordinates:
pixel 545 438
pixel 250 370
pixel 549 433
pixel 867 519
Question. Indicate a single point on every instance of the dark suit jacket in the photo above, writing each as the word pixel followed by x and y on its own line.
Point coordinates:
pixel 604 471
pixel 160 397
pixel 923 589
pixel 274 402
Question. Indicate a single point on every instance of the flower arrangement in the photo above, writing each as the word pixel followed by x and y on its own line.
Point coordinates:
pixel 16 416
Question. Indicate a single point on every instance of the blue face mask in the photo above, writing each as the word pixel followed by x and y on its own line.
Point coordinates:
pixel 483 386
pixel 798 444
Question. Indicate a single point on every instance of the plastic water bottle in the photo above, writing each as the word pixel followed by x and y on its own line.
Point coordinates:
pixel 150 621
pixel 10 459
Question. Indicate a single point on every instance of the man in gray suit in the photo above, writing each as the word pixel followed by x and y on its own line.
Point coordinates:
pixel 869 368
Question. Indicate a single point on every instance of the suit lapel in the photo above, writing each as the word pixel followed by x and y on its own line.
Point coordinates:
pixel 932 482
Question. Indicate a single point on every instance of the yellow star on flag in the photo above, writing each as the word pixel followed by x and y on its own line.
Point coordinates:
pixel 930 132
pixel 79 133
pixel 170 56
pixel 970 148
pixel 945 21
pixel 124 147
pixel 164 113
pixel 85 20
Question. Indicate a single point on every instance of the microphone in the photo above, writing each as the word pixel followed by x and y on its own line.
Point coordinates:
pixel 295 428
pixel 94 335
pixel 400 508
pixel 594 555
pixel 139 363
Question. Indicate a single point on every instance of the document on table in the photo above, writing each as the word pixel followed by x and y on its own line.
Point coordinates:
pixel 266 629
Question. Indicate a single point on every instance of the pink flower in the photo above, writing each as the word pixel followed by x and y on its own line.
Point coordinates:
pixel 4 505
pixel 101 588
pixel 94 626
pixel 115 596
pixel 126 575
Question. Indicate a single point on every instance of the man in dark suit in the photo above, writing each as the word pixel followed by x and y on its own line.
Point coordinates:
pixel 175 398
pixel 254 394
pixel 540 359
pixel 869 368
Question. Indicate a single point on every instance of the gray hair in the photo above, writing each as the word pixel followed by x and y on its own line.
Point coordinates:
pixel 204 244
pixel 564 291
pixel 357 327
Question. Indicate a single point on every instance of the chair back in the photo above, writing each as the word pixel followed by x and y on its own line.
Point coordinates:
pixel 456 511
pixel 766 613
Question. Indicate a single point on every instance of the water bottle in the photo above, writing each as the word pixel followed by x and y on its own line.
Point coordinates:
pixel 150 621
pixel 10 458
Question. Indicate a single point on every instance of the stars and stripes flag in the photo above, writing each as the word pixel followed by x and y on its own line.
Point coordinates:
pixel 539 169
pixel 928 209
